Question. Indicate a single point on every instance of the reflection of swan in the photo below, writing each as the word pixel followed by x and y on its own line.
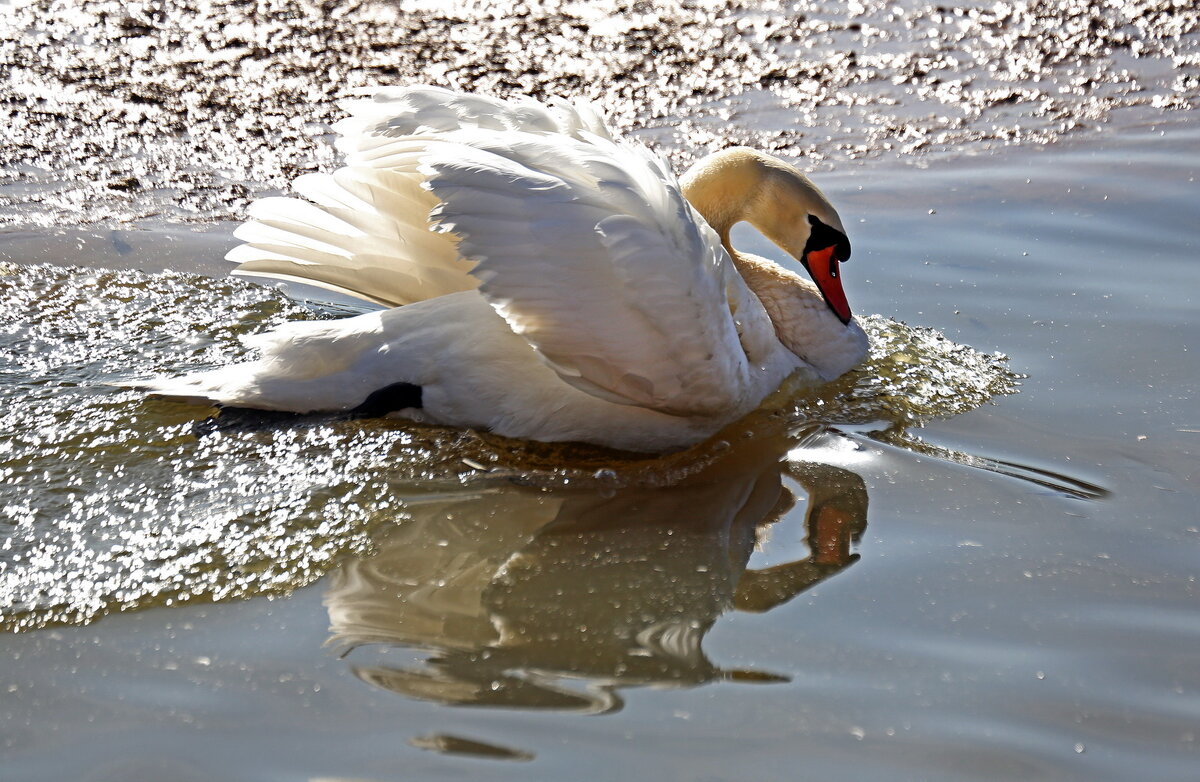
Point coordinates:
pixel 515 593
pixel 559 285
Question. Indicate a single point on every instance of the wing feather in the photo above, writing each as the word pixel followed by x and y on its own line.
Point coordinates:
pixel 589 250
pixel 584 245
pixel 343 226
pixel 406 111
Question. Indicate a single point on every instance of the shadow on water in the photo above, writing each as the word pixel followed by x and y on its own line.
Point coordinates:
pixel 516 597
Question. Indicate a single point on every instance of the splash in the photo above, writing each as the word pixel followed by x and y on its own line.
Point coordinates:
pixel 912 375
pixel 110 501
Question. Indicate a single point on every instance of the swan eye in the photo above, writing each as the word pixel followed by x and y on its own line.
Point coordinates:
pixel 821 236
pixel 843 249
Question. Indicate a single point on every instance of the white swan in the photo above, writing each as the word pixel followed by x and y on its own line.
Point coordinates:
pixel 558 284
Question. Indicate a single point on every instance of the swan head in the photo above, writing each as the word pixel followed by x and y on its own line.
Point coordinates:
pixel 739 184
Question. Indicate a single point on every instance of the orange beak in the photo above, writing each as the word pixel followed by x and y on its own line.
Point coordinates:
pixel 822 265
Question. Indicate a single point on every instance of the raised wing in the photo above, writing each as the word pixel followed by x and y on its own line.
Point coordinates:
pixel 391 112
pixel 589 250
pixel 363 232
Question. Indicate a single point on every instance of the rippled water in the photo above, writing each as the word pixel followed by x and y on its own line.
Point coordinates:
pixel 117 501
pixel 153 96
pixel 950 565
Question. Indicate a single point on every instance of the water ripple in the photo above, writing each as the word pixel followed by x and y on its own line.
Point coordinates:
pixel 111 501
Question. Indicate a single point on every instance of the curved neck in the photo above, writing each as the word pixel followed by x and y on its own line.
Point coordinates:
pixel 770 194
pixel 725 189
pixel 731 186
pixel 742 184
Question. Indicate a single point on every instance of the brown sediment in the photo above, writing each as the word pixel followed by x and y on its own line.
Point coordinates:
pixel 124 110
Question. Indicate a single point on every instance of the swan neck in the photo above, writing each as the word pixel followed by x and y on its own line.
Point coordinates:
pixel 743 184
pixel 725 188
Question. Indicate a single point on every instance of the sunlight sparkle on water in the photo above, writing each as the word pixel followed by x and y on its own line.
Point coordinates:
pixel 116 501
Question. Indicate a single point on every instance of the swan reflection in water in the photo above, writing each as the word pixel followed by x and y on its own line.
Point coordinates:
pixel 556 599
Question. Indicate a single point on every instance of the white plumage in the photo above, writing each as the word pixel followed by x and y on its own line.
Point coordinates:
pixel 557 284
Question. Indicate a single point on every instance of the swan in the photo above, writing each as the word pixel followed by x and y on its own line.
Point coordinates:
pixel 531 275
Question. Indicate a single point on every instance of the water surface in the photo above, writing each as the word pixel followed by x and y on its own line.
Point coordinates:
pixel 952 566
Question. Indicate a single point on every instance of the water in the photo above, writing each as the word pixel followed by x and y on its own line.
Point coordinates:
pixel 950 566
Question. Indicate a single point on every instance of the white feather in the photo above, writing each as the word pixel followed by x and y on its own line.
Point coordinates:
pixel 558 285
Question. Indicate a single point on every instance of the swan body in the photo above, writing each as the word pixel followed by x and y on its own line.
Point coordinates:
pixel 534 277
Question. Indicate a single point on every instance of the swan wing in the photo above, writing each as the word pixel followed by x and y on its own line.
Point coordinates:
pixel 392 112
pixel 588 249
pixel 363 231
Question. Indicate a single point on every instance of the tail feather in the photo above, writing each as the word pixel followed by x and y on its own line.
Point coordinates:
pixel 212 387
pixel 301 368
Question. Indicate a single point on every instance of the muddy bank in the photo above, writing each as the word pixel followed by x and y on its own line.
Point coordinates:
pixel 187 110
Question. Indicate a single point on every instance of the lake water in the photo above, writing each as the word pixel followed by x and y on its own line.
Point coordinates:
pixel 948 567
